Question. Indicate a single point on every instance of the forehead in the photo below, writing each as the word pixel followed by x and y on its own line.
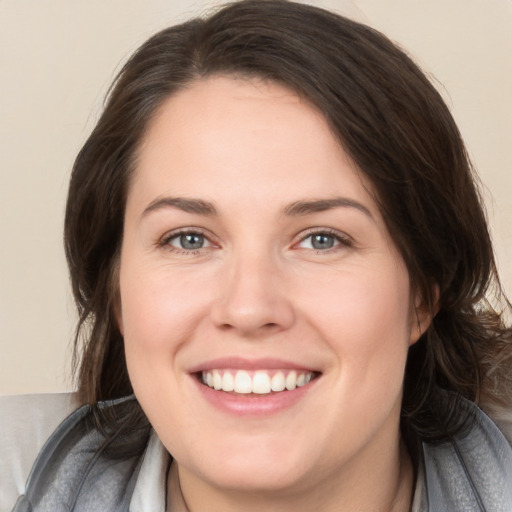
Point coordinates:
pixel 213 105
pixel 244 138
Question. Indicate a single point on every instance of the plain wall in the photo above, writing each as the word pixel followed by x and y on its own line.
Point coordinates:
pixel 57 58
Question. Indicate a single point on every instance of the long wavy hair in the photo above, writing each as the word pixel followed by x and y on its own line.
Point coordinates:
pixel 392 122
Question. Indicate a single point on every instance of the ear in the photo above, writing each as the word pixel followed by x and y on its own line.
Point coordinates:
pixel 422 315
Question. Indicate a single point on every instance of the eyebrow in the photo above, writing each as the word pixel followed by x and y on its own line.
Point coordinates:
pixel 188 205
pixel 299 208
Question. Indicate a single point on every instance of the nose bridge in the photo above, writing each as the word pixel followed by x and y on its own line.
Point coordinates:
pixel 253 295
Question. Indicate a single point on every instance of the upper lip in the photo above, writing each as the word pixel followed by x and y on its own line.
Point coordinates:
pixel 239 363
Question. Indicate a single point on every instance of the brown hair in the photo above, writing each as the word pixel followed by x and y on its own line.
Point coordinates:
pixel 395 126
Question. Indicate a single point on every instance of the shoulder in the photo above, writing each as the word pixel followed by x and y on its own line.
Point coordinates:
pixel 502 416
pixel 473 470
pixel 91 461
pixel 26 422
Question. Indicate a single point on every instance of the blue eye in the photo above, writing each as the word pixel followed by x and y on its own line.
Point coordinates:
pixel 188 241
pixel 322 241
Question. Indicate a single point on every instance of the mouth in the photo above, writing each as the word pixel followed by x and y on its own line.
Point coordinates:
pixel 255 382
pixel 254 387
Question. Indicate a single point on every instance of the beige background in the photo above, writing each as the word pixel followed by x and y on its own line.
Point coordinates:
pixel 57 58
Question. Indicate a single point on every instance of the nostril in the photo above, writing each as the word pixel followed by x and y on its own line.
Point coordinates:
pixel 268 326
pixel 226 327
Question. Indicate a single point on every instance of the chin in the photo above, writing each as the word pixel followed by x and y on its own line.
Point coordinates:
pixel 254 466
pixel 257 478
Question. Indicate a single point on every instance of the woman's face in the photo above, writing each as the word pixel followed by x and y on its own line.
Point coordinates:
pixel 254 259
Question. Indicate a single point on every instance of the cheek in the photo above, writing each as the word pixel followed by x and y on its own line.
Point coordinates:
pixel 158 308
pixel 366 323
pixel 365 318
pixel 159 315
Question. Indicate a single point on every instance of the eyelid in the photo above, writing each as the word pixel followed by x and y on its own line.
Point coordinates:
pixel 192 230
pixel 340 236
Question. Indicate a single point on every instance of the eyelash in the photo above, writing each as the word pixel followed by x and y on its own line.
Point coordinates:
pixel 165 241
pixel 341 239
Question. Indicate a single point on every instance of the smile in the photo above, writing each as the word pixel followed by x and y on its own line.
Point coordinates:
pixel 261 382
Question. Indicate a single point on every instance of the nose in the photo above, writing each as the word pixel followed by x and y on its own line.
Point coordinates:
pixel 253 299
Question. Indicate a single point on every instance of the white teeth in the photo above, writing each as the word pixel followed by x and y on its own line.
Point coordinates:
pixel 243 382
pixel 228 382
pixel 217 380
pixel 291 381
pixel 278 382
pixel 260 382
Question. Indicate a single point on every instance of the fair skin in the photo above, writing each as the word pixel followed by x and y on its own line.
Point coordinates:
pixel 253 247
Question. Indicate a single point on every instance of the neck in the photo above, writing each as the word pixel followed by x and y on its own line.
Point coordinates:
pixel 191 495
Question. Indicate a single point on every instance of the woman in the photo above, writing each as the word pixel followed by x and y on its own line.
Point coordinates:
pixel 276 244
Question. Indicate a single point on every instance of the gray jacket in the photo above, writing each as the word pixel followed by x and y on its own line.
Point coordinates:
pixel 84 467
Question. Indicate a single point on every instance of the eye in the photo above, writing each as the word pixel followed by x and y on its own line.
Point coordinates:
pixel 187 241
pixel 323 241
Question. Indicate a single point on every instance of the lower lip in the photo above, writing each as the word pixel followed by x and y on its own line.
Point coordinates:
pixel 253 404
